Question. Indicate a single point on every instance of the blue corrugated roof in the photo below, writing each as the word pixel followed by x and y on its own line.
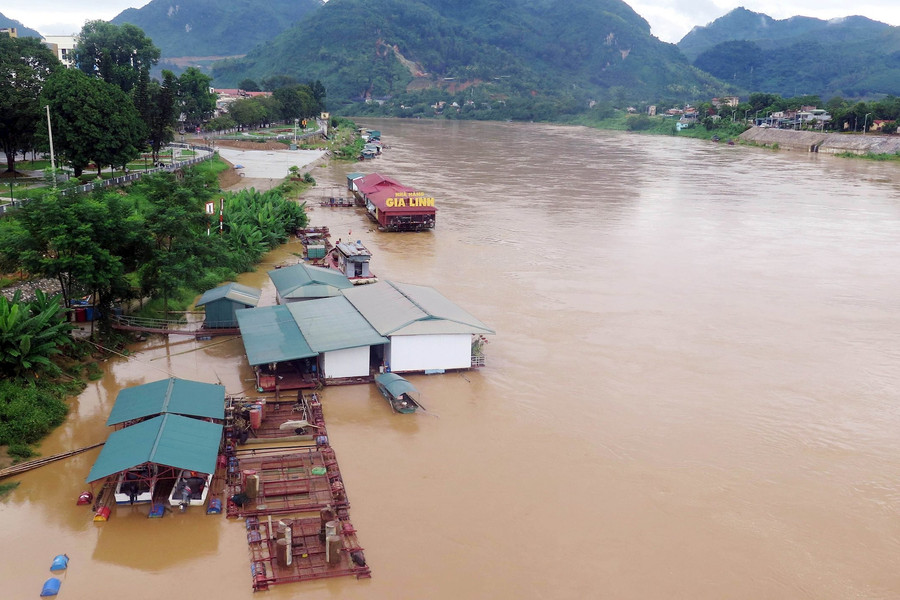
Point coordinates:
pixel 305 281
pixel 235 292
pixel 271 335
pixel 333 324
pixel 171 440
pixel 180 396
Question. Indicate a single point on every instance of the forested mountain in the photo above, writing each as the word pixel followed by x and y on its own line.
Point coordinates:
pixel 744 25
pixel 572 50
pixel 21 30
pixel 214 27
pixel 852 57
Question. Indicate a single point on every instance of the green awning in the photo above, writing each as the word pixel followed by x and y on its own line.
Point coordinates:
pixel 179 396
pixel 271 335
pixel 395 385
pixel 171 440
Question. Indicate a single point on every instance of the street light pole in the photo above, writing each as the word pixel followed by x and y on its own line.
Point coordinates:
pixel 865 120
pixel 50 135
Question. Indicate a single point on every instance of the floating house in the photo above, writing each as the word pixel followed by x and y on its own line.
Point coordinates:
pixel 427 332
pixel 221 302
pixel 297 345
pixel 394 206
pixel 351 259
pixel 306 282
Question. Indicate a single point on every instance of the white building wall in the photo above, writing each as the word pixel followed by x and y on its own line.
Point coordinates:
pixel 351 362
pixel 426 352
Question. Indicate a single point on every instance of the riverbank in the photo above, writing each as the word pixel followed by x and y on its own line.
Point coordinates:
pixel 824 143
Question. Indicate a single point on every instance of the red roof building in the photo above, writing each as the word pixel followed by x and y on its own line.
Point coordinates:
pixel 394 206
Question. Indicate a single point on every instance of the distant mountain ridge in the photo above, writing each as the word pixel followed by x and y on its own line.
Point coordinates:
pixel 853 57
pixel 744 25
pixel 21 30
pixel 214 27
pixel 379 48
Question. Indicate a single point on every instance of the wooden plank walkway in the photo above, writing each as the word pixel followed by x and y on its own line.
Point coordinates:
pixel 40 462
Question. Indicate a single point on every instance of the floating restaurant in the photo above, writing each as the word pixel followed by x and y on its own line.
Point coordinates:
pixel 394 206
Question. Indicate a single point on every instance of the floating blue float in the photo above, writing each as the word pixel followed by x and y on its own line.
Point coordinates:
pixel 60 562
pixel 51 587
pixel 214 507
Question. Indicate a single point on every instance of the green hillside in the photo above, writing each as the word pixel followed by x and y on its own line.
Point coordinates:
pixel 852 57
pixel 214 28
pixel 568 50
pixel 21 30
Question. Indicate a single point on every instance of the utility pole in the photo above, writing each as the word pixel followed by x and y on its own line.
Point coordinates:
pixel 50 135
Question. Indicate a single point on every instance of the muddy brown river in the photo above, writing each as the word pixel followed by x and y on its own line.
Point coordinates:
pixel 692 393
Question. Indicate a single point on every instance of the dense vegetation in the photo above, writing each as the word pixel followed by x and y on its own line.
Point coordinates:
pixel 213 28
pixel 150 240
pixel 853 57
pixel 527 60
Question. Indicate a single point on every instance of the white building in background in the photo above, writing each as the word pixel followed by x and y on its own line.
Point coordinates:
pixel 63 46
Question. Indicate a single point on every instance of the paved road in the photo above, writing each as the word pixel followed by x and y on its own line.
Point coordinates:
pixel 270 164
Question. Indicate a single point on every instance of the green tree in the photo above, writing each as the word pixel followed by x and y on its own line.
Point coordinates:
pixel 79 240
pixel 160 115
pixel 116 54
pixel 195 101
pixel 297 102
pixel 247 112
pixel 94 121
pixel 176 226
pixel 249 85
pixel 25 63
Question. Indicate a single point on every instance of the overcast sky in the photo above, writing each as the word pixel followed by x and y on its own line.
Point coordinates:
pixel 670 20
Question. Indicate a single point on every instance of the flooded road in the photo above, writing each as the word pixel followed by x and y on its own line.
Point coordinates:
pixel 692 393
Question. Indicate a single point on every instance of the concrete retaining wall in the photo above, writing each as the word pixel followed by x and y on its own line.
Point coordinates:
pixel 832 143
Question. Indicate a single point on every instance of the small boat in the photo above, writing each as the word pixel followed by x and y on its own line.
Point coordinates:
pixel 136 486
pixel 190 489
pixel 398 392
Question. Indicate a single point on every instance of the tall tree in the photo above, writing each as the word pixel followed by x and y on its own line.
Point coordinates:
pixel 195 100
pixel 116 54
pixel 160 115
pixel 25 63
pixel 77 239
pixel 93 121
pixel 177 246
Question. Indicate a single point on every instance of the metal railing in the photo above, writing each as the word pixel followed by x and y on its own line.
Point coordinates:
pixel 123 179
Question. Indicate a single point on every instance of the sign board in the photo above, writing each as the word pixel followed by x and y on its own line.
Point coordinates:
pixel 210 208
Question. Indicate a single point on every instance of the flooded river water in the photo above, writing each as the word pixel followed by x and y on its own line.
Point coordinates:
pixel 692 393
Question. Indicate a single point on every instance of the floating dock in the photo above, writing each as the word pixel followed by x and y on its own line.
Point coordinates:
pixel 291 497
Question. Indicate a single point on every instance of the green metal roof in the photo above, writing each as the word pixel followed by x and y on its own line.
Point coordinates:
pixel 180 396
pixel 306 281
pixel 395 385
pixel 235 292
pixel 271 335
pixel 172 440
pixel 333 324
pixel 405 309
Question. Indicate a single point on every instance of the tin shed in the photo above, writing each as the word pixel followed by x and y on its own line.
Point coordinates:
pixel 223 301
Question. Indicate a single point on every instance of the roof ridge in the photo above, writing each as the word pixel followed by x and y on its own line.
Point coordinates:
pixel 159 433
pixel 165 404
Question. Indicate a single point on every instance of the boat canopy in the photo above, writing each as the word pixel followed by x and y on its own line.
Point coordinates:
pixel 395 385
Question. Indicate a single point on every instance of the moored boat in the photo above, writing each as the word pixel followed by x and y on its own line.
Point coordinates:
pixel 190 489
pixel 136 486
pixel 398 392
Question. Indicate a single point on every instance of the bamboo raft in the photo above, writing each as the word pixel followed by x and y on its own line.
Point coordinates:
pixel 40 462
